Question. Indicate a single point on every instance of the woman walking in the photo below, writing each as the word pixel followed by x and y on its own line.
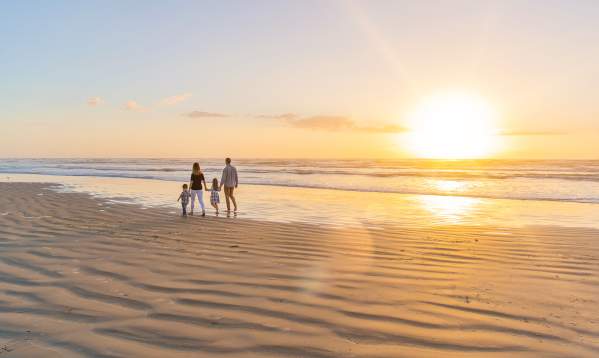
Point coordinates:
pixel 195 183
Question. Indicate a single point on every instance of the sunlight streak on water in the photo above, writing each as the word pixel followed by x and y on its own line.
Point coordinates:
pixel 450 186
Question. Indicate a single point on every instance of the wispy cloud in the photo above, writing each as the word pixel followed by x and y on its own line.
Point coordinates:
pixel 276 116
pixel 388 128
pixel 532 133
pixel 331 123
pixel 95 101
pixel 133 106
pixel 173 100
pixel 202 114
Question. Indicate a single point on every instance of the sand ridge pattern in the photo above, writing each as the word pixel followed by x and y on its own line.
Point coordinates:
pixel 83 277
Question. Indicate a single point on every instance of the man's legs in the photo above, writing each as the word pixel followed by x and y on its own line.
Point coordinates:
pixel 227 198
pixel 232 196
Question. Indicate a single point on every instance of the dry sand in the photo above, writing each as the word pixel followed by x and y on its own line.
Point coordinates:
pixel 83 277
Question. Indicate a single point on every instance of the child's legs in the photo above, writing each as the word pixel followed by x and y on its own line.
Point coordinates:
pixel 214 205
pixel 184 207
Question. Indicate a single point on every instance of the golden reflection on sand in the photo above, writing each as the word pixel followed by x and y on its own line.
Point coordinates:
pixel 449 209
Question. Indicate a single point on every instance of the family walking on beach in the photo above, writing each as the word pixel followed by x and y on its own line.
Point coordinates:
pixel 195 189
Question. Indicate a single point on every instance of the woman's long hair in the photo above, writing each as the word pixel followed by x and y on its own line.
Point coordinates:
pixel 196 168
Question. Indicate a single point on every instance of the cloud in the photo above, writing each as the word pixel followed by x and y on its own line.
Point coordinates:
pixel 329 123
pixel 202 114
pixel 133 106
pixel 95 101
pixel 531 133
pixel 171 101
pixel 332 123
pixel 276 116
pixel 388 128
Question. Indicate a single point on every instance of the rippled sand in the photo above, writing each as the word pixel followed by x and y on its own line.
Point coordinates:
pixel 84 277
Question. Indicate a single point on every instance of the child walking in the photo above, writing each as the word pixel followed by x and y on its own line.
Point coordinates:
pixel 214 196
pixel 184 198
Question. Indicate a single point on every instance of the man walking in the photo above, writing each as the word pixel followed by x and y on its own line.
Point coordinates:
pixel 229 181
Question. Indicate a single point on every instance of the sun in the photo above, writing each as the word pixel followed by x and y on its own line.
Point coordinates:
pixel 452 126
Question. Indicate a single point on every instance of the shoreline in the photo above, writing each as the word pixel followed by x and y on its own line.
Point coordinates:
pixel 126 281
pixel 340 208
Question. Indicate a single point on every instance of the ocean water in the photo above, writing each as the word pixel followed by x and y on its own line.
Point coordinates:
pixel 569 181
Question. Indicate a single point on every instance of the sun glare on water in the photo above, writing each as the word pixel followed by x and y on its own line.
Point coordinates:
pixel 452 126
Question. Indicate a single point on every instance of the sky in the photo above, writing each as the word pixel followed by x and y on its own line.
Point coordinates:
pixel 302 79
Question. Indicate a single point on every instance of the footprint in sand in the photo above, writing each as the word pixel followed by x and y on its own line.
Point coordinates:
pixel 12 345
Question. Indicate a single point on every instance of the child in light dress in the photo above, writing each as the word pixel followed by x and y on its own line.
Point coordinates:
pixel 214 195
pixel 184 198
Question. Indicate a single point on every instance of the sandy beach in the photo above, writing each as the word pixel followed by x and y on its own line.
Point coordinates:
pixel 81 276
pixel 370 179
